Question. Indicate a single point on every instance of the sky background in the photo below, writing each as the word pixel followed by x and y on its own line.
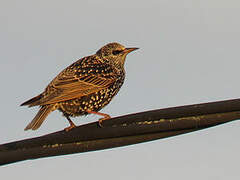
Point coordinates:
pixel 189 53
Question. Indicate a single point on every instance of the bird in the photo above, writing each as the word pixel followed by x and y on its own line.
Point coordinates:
pixel 84 87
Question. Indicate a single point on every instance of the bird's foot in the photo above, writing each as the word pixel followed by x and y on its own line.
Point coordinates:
pixel 100 121
pixel 70 127
pixel 105 117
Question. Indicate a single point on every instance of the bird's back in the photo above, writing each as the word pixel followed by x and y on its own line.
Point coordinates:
pixel 86 76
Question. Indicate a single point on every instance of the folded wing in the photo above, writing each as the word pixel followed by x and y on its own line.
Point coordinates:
pixel 71 84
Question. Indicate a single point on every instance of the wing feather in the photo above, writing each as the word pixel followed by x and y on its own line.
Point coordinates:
pixel 71 84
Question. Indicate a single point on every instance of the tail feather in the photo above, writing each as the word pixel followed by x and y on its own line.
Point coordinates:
pixel 40 117
pixel 32 102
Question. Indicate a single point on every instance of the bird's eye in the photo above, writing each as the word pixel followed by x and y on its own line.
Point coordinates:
pixel 116 52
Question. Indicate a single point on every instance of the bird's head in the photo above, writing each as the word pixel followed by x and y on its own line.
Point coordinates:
pixel 115 53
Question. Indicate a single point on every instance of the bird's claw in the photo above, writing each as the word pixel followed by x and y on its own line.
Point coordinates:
pixel 100 121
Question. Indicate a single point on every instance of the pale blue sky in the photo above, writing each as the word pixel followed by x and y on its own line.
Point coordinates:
pixel 189 53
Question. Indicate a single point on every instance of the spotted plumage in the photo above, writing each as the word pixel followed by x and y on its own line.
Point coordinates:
pixel 84 87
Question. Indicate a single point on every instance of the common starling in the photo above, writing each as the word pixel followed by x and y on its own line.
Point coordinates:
pixel 84 87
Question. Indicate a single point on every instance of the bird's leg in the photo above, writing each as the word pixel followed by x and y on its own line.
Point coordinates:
pixel 105 117
pixel 72 125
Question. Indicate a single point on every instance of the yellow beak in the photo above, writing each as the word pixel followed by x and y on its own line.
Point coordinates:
pixel 128 50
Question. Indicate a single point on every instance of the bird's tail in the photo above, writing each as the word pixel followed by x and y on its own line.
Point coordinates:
pixel 40 117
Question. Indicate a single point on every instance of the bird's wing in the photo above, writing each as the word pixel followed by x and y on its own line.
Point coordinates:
pixel 77 81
